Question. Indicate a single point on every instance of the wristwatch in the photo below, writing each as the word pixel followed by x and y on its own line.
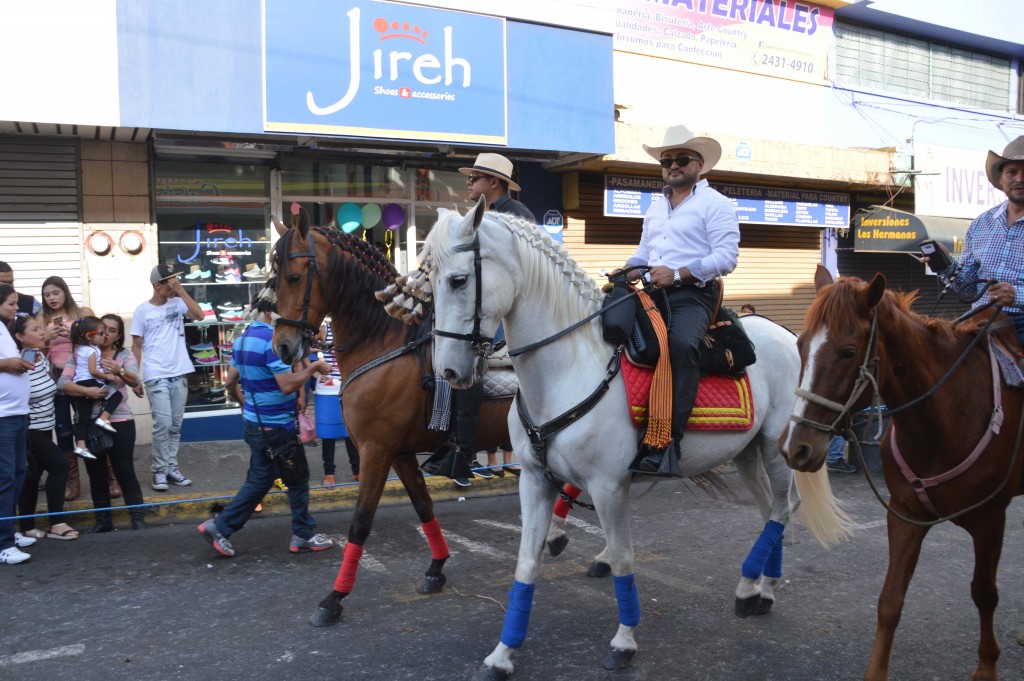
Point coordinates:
pixel 677 280
pixel 123 371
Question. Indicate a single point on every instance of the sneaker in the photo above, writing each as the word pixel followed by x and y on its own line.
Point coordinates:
pixel 105 425
pixel 841 467
pixel 328 481
pixel 84 453
pixel 21 541
pixel 279 483
pixel 13 556
pixel 178 479
pixel 202 347
pixel 229 307
pixel 222 260
pixel 461 482
pixel 160 482
pixel 213 359
pixel 317 542
pixel 484 473
pixel 204 353
pixel 231 317
pixel 220 543
pixel 255 273
pixel 198 275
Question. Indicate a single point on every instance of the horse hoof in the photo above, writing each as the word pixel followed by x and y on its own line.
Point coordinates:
pixel 325 617
pixel 492 674
pixel 556 546
pixel 745 607
pixel 617 659
pixel 432 585
pixel 599 569
pixel 765 606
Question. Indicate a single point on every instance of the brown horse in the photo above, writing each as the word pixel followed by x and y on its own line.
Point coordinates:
pixel 320 272
pixel 941 460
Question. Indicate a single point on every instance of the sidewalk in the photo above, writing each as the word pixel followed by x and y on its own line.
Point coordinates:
pixel 217 469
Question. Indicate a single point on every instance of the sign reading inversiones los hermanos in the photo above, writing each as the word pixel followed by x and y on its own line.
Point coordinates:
pixel 780 38
pixel 384 69
pixel 631 196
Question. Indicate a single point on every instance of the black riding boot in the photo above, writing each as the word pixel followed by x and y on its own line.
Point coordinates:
pixel 138 519
pixel 104 522
pixel 454 459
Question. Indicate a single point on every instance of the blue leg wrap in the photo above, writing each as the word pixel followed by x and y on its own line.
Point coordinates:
pixel 773 568
pixel 517 619
pixel 755 562
pixel 629 600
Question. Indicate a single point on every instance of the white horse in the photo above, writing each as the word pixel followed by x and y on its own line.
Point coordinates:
pixel 489 268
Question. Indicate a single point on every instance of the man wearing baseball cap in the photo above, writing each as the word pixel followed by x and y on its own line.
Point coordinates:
pixel 689 240
pixel 158 342
pixel 993 247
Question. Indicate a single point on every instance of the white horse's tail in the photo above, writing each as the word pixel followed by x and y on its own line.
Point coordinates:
pixel 820 511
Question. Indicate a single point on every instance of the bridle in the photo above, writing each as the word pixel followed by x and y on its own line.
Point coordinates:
pixel 481 344
pixel 308 331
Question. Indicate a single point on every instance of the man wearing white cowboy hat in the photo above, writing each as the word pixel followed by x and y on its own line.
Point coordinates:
pixel 491 177
pixel 689 240
pixel 994 244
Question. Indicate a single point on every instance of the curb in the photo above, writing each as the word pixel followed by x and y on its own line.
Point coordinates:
pixel 193 507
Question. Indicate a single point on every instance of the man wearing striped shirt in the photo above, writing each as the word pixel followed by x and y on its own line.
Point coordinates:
pixel 266 387
pixel 994 244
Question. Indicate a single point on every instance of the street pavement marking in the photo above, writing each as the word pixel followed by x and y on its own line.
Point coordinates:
pixel 475 546
pixel 366 562
pixel 37 655
pixel 872 524
pixel 499 525
pixel 585 526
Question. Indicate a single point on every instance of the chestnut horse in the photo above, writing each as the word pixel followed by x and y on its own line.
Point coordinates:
pixel 944 457
pixel 320 272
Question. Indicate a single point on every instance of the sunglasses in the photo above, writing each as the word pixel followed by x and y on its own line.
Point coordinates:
pixel 680 161
pixel 473 178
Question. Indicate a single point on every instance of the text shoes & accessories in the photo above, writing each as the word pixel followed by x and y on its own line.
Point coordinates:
pixel 178 479
pixel 160 482
pixel 13 556
pixel 220 543
pixel 84 453
pixel 21 541
pixel 318 542
pixel 105 425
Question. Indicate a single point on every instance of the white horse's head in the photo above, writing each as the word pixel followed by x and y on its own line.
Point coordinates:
pixel 473 288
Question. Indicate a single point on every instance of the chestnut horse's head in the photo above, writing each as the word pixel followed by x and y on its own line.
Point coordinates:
pixel 837 350
pixel 298 281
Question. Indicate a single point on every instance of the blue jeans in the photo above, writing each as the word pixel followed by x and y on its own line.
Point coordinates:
pixel 258 482
pixel 836 447
pixel 167 401
pixel 13 468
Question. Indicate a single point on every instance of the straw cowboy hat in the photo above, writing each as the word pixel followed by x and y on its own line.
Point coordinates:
pixel 680 137
pixel 1014 151
pixel 493 164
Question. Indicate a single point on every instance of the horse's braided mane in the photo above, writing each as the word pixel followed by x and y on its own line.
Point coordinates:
pixel 355 269
pixel 839 307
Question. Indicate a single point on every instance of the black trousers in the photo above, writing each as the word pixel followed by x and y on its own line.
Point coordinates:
pixel 689 311
pixel 122 462
pixel 327 452
pixel 43 455
pixel 467 415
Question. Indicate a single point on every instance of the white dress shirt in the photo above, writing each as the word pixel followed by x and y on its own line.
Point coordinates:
pixel 702 234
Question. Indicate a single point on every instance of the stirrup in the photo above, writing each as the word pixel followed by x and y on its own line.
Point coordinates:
pixel 449 461
pixel 668 466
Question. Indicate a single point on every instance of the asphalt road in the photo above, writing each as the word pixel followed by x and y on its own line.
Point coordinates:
pixel 161 604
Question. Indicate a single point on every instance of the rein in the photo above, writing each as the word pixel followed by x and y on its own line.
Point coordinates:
pixel 309 332
pixel 383 359
pixel 540 435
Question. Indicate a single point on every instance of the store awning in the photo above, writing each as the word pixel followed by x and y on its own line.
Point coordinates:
pixel 887 230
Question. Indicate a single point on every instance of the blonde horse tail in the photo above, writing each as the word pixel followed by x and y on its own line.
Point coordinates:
pixel 820 511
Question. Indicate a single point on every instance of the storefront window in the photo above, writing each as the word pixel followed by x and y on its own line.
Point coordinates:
pixel 213 227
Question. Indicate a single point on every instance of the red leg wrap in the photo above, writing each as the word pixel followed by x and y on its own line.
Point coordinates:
pixel 347 573
pixel 438 546
pixel 561 507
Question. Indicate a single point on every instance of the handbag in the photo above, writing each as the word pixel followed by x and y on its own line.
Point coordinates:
pixel 307 428
pixel 726 349
pixel 99 440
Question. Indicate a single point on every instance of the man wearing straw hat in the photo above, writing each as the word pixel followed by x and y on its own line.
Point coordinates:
pixel 491 177
pixel 689 240
pixel 994 244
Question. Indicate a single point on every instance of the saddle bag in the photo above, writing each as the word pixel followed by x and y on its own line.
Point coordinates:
pixel 726 348
pixel 628 324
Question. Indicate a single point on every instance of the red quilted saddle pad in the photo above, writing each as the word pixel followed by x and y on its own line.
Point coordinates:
pixel 723 403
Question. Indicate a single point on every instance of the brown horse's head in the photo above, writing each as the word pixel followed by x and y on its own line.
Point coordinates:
pixel 833 347
pixel 300 264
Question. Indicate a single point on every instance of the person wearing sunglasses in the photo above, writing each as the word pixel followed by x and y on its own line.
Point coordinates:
pixel 690 239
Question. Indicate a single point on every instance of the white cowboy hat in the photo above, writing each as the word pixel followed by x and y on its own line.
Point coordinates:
pixel 493 164
pixel 1014 151
pixel 680 137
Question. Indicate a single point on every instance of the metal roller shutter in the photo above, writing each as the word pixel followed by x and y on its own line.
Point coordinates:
pixel 40 229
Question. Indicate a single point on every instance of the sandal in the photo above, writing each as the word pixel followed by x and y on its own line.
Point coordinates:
pixel 35 533
pixel 63 532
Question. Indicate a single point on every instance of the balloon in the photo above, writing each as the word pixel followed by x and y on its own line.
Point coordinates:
pixel 350 216
pixel 295 208
pixel 371 215
pixel 394 215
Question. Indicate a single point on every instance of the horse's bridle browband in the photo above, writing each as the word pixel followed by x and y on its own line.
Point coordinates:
pixel 481 344
pixel 309 332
